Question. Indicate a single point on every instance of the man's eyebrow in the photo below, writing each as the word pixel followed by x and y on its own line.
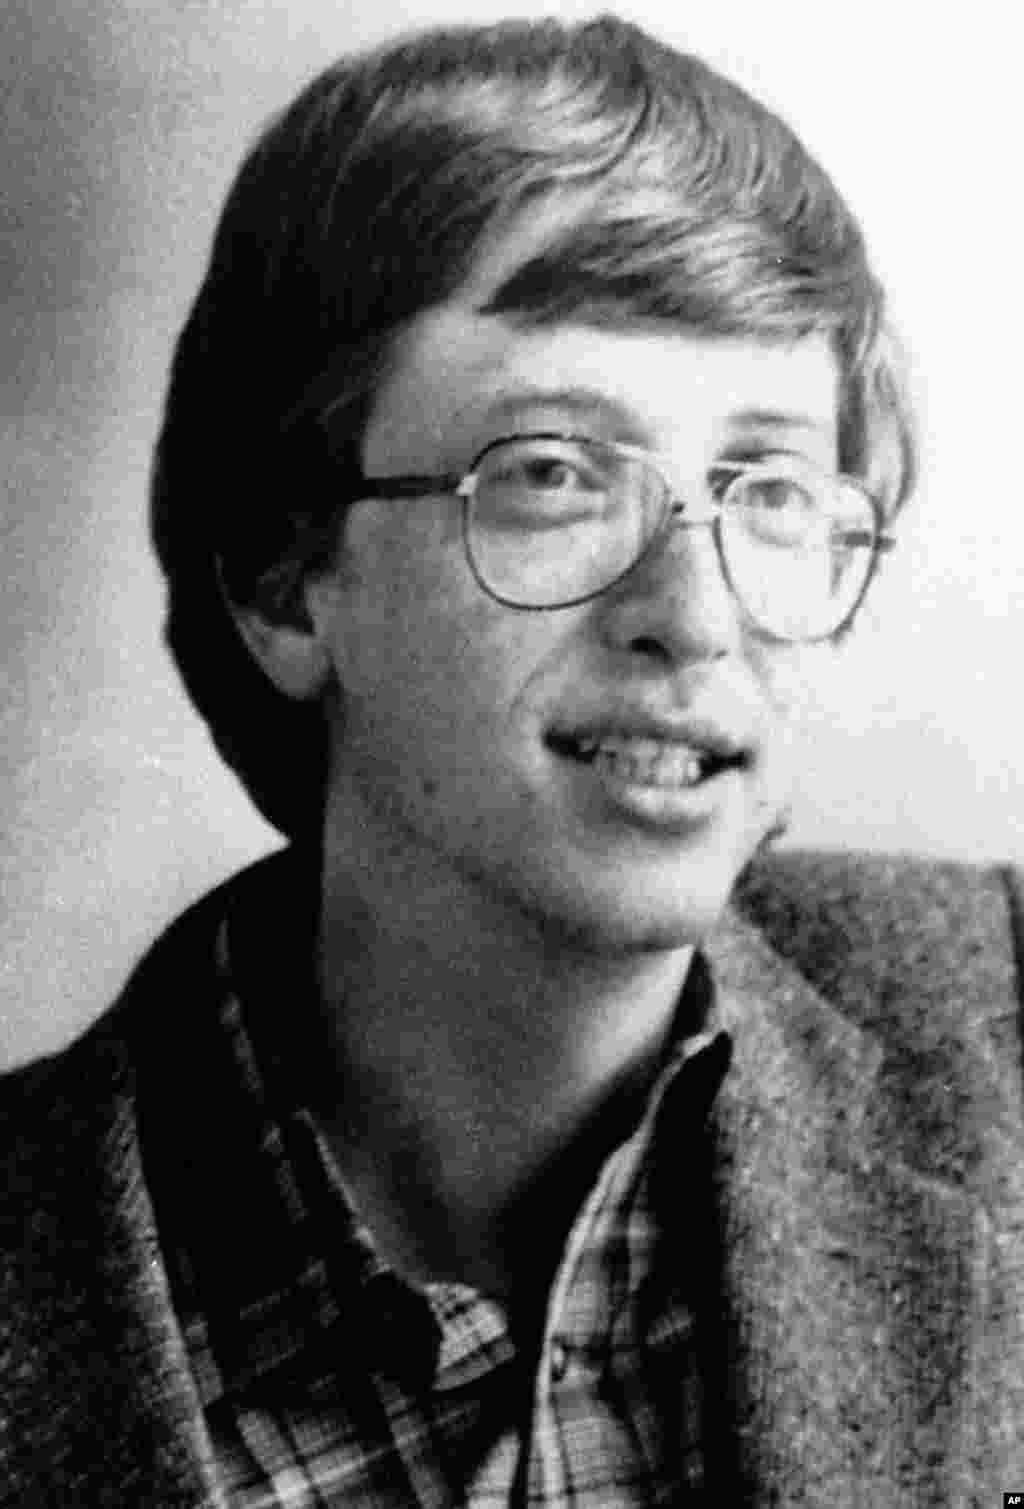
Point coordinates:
pixel 781 419
pixel 576 399
pixel 581 402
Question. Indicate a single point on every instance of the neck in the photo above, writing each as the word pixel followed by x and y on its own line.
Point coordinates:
pixel 479 1060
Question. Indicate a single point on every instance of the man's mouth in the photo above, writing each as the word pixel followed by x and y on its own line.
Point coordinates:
pixel 640 760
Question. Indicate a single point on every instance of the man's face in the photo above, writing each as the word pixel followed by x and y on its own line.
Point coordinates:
pixel 514 748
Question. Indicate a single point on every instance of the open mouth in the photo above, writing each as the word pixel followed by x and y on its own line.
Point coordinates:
pixel 666 764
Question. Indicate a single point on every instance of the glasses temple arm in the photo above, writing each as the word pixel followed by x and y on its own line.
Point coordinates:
pixel 411 486
pixel 880 542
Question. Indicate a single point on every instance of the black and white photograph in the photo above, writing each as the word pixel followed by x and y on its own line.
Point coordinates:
pixel 511 802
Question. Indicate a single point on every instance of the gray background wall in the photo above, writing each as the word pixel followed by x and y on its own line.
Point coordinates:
pixel 122 123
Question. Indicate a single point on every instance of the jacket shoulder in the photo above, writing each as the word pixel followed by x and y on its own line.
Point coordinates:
pixel 84 1311
pixel 925 959
pixel 874 931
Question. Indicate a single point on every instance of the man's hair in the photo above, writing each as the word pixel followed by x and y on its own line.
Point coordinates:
pixel 368 201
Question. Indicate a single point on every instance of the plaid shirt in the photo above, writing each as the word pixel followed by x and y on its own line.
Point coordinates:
pixel 342 1384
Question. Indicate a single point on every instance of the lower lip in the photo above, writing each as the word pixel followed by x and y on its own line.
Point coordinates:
pixel 669 808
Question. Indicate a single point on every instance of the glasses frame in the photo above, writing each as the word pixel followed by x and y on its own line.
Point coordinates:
pixel 676 513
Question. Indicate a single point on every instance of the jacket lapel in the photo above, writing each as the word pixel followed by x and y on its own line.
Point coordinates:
pixel 845 1277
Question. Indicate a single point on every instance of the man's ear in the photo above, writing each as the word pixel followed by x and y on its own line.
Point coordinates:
pixel 295 658
pixel 291 644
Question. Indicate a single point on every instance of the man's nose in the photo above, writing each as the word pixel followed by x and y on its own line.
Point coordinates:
pixel 676 604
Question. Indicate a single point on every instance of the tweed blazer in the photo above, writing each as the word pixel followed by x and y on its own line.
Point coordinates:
pixel 868 1161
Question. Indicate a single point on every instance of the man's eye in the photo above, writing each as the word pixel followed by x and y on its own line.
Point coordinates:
pixel 548 472
pixel 548 469
pixel 779 510
pixel 779 495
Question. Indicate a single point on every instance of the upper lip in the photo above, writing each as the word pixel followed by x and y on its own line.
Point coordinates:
pixel 707 735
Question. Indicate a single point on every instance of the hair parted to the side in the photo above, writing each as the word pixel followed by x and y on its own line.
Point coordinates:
pixel 368 201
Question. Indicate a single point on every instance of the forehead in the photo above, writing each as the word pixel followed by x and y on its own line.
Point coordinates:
pixel 459 377
pixel 459 373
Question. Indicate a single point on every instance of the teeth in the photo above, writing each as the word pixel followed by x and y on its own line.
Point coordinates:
pixel 646 762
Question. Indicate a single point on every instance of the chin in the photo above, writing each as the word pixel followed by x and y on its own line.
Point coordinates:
pixel 636 913
pixel 620 935
pixel 643 896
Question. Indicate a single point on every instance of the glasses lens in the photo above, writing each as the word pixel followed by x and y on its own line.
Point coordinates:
pixel 552 521
pixel 798 550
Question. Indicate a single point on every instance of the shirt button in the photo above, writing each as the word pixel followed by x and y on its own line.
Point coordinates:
pixel 559 1360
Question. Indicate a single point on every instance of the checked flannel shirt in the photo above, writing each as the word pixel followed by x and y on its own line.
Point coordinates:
pixel 346 1385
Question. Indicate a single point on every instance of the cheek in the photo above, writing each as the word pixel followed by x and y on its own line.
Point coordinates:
pixel 398 574
pixel 419 644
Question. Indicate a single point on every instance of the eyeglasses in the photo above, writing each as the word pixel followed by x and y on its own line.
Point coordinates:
pixel 552 520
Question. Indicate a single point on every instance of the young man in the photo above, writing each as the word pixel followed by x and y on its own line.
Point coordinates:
pixel 535 424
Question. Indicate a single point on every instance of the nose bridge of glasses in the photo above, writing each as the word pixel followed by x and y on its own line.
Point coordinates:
pixel 682 512
pixel 686 503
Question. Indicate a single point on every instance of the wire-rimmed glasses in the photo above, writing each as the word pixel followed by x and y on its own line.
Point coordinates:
pixel 552 520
